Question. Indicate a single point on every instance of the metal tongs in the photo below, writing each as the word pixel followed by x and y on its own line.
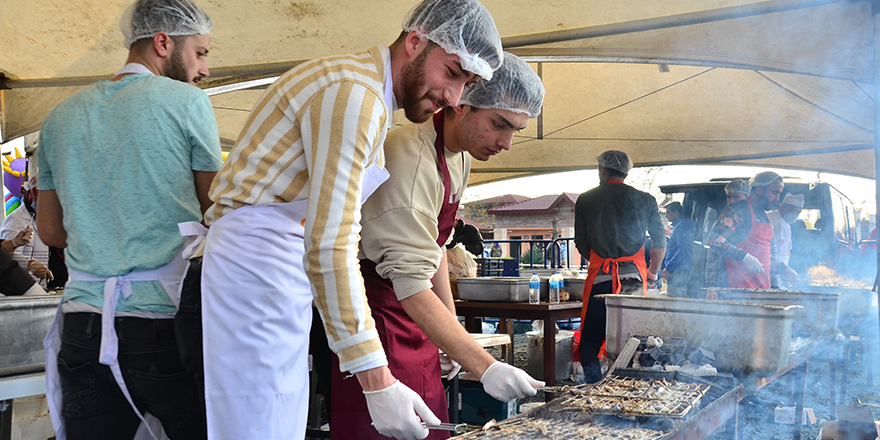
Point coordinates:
pixel 462 428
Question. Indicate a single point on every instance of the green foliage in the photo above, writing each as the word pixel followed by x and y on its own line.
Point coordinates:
pixel 537 255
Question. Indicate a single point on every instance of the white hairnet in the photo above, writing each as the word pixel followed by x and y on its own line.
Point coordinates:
pixel 764 179
pixel 615 160
pixel 514 86
pixel 146 18
pixel 794 200
pixel 461 27
pixel 737 186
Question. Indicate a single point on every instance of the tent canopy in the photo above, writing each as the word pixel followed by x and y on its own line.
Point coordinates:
pixel 783 83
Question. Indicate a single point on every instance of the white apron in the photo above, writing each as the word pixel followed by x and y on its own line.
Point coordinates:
pixel 170 276
pixel 256 318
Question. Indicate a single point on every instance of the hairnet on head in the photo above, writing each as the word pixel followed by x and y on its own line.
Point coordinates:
pixel 737 186
pixel 461 27
pixel 793 200
pixel 764 179
pixel 146 18
pixel 514 86
pixel 615 160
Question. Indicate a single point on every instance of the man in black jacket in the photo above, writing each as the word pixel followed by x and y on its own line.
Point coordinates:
pixel 469 236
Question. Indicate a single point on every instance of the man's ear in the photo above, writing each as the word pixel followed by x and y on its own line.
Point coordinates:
pixel 163 44
pixel 414 44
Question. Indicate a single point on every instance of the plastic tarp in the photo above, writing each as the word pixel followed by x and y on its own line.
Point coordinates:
pixel 778 83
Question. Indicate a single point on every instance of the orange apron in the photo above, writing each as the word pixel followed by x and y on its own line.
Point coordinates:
pixel 596 263
pixel 757 244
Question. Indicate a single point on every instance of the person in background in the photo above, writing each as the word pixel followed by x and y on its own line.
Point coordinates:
pixel 406 277
pixel 285 224
pixel 610 223
pixel 34 256
pixel 742 237
pixel 736 190
pixel 496 251
pixel 148 139
pixel 781 220
pixel 679 252
pixel 469 236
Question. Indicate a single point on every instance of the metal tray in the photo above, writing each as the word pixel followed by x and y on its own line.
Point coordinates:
pixel 854 304
pixel 819 314
pixel 24 323
pixel 504 289
pixel 746 338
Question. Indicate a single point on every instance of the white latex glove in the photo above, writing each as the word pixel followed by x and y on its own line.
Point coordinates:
pixel 448 365
pixel 396 410
pixel 752 264
pixel 505 382
pixel 39 270
pixel 24 236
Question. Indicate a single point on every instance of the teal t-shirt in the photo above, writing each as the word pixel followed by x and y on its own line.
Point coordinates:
pixel 120 156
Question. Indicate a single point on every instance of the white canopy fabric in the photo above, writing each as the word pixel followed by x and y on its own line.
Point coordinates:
pixel 786 83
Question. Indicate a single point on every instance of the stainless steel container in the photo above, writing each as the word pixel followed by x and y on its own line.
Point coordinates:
pixel 504 289
pixel 819 314
pixel 575 288
pixel 535 353
pixel 24 322
pixel 745 338
pixel 854 304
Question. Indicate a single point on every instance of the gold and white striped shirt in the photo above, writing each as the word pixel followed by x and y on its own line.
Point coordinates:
pixel 310 137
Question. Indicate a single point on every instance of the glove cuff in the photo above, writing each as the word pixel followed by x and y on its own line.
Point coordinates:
pixel 383 390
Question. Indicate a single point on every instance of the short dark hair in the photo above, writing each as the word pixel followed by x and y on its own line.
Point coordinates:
pixel 674 206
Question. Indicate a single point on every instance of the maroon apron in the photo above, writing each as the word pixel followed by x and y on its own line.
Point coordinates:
pixel 412 357
pixel 757 244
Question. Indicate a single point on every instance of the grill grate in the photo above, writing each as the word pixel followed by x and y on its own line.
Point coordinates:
pixel 532 428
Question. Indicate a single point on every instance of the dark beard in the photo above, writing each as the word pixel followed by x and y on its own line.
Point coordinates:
pixel 176 69
pixel 413 78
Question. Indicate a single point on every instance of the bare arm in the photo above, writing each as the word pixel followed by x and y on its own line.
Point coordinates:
pixel 444 330
pixel 441 285
pixel 50 218
pixel 203 181
pixel 656 258
pixel 7 244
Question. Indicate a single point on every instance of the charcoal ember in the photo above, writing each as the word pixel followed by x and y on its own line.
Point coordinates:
pixel 646 360
pixel 701 356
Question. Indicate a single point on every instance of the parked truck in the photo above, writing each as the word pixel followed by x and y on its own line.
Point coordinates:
pixel 827 231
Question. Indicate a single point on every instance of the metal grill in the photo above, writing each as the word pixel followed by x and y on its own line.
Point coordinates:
pixel 533 428
pixel 635 397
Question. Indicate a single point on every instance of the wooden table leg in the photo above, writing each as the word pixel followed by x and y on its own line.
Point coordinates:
pixel 550 352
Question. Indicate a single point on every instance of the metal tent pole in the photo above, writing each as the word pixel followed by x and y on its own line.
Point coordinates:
pixel 875 11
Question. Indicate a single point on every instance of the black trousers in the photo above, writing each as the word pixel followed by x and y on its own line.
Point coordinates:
pixel 188 330
pixel 93 405
pixel 593 327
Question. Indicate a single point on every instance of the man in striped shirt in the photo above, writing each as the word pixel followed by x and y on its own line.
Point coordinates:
pixel 285 223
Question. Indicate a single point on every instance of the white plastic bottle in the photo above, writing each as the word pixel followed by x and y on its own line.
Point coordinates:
pixel 555 287
pixel 534 289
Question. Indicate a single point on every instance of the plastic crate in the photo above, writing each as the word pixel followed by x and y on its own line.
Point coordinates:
pixel 490 267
